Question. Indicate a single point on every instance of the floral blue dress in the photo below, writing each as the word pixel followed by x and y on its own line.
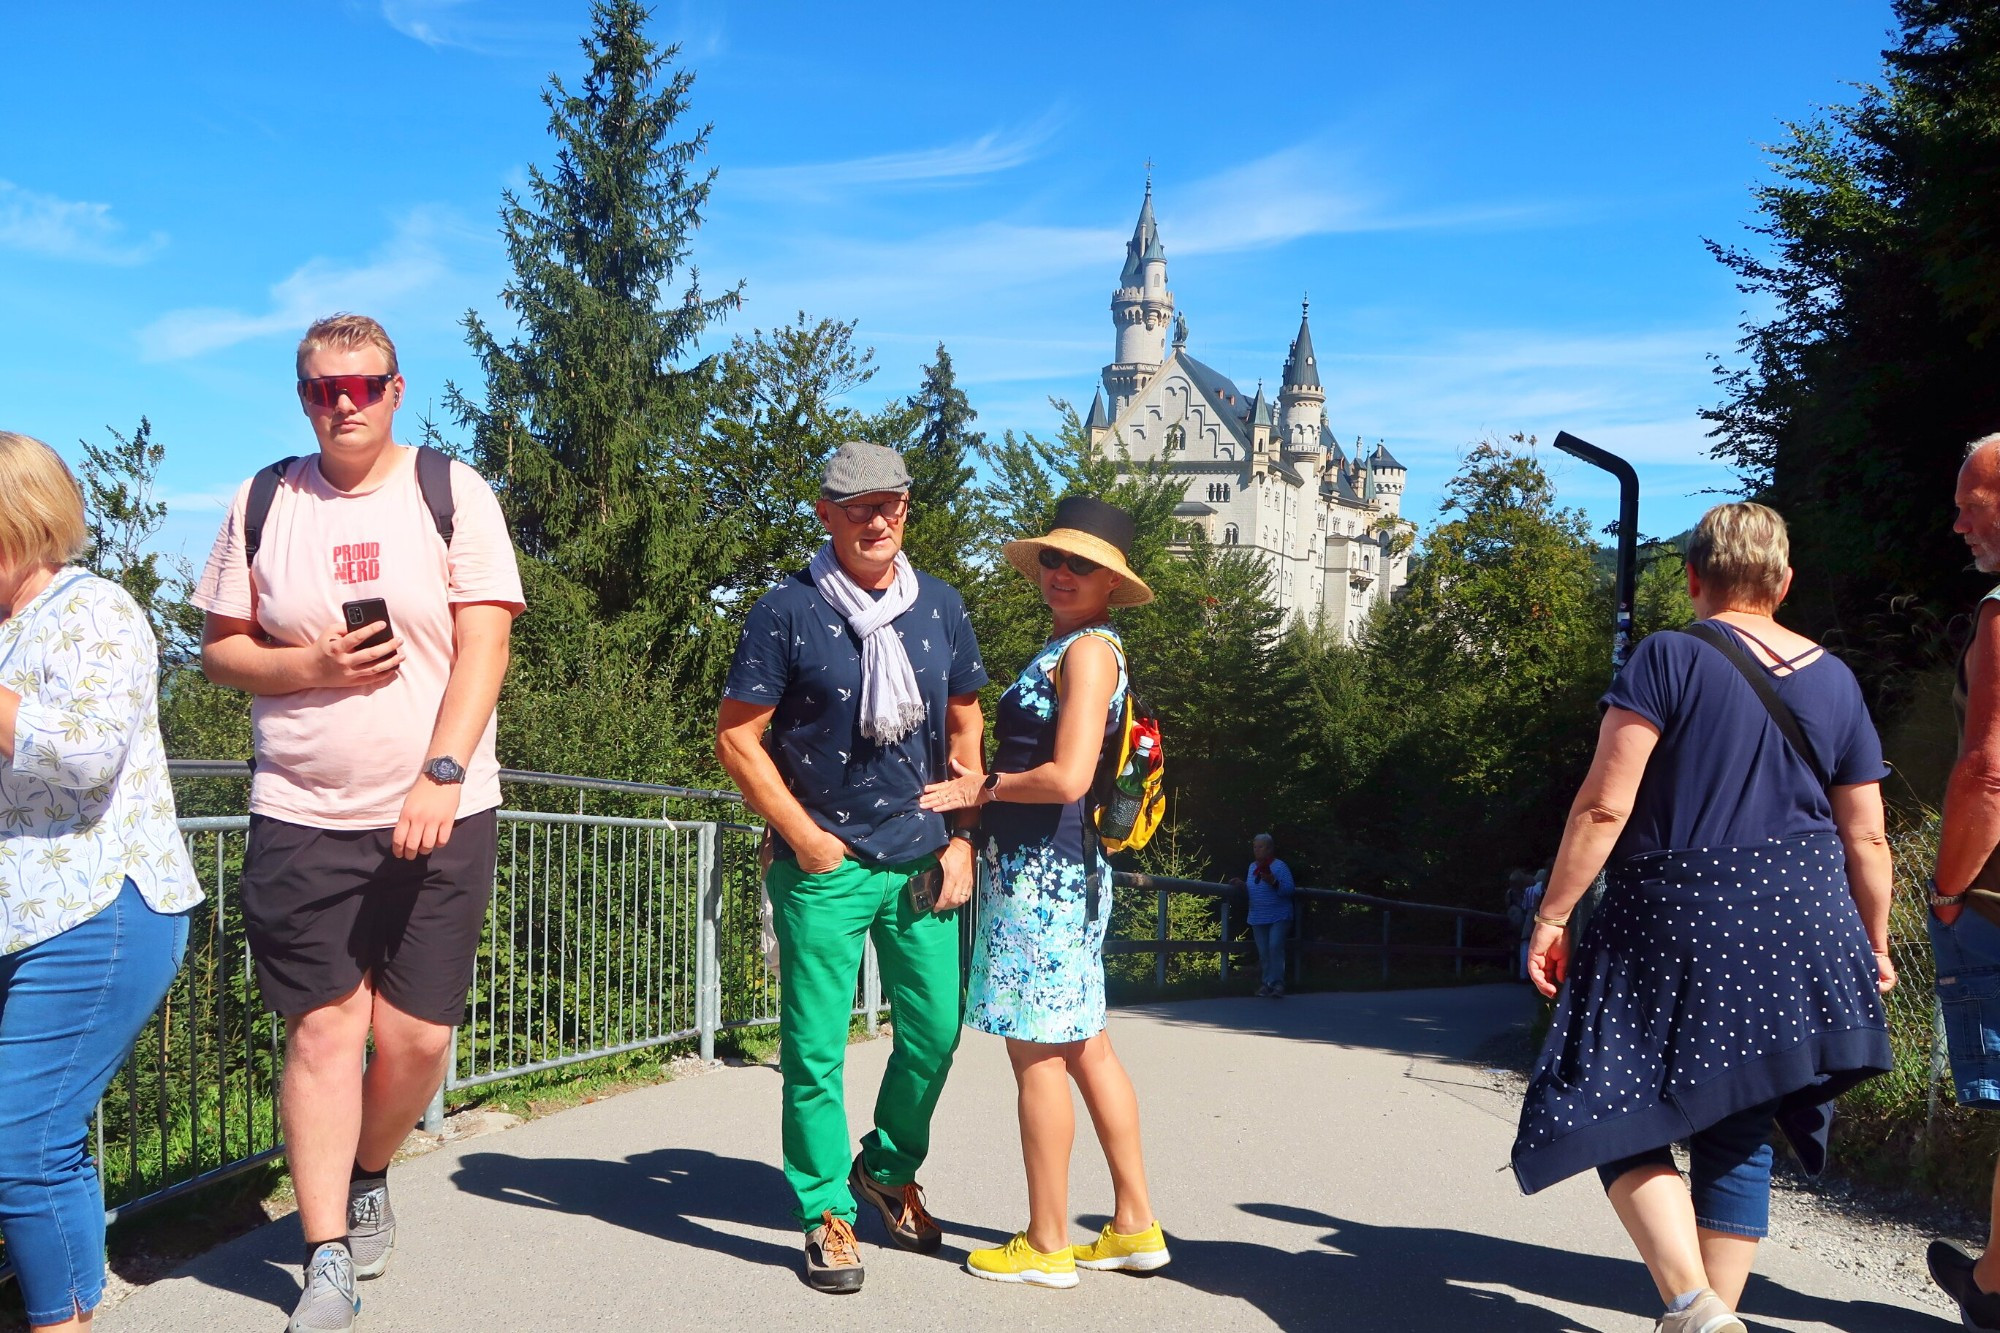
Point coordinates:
pixel 1038 957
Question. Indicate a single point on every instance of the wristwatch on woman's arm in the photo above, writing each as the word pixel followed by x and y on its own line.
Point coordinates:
pixel 1942 899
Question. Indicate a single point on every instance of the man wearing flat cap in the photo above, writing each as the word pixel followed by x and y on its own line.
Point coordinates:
pixel 867 676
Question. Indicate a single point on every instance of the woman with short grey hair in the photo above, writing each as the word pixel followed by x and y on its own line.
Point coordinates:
pixel 95 882
pixel 1732 972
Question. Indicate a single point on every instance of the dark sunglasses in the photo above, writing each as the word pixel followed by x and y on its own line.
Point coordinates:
pixel 327 391
pixel 1051 558
pixel 893 510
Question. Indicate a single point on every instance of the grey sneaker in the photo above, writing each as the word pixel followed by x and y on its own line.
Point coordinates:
pixel 833 1256
pixel 371 1229
pixel 902 1209
pixel 329 1303
pixel 1707 1315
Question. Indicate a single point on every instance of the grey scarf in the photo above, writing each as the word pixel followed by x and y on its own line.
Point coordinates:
pixel 891 705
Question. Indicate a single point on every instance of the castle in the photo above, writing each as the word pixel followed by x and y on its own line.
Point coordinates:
pixel 1270 479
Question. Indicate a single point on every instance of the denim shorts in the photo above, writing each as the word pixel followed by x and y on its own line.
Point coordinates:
pixel 1968 991
pixel 1729 1172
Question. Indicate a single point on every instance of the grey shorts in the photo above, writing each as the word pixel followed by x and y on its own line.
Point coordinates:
pixel 326 907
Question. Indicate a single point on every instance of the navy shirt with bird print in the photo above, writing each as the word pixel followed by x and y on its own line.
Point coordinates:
pixel 798 655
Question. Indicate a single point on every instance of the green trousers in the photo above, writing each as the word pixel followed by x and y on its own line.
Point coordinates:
pixel 822 922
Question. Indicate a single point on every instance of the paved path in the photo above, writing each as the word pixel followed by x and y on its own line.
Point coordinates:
pixel 1324 1162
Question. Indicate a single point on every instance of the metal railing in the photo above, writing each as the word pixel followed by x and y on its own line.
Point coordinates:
pixel 606 933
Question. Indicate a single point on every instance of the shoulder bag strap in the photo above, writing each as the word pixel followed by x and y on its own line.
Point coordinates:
pixel 263 490
pixel 434 480
pixel 1759 681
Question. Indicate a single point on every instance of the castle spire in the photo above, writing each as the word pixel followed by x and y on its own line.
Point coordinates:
pixel 1301 367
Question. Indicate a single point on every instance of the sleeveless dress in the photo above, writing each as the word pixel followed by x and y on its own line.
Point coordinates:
pixel 1038 956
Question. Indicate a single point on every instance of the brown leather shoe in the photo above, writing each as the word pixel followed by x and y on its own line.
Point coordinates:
pixel 902 1208
pixel 833 1256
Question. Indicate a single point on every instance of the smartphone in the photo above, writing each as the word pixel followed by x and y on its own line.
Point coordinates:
pixel 366 612
pixel 924 887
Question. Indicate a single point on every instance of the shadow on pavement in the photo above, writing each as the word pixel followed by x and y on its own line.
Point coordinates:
pixel 263 1265
pixel 1382 1277
pixel 1450 1023
pixel 664 1193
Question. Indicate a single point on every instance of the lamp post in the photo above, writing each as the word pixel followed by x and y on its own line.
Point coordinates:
pixel 1628 536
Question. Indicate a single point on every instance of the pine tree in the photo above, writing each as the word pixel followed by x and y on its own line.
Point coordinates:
pixel 592 418
pixel 590 423
pixel 123 517
pixel 947 527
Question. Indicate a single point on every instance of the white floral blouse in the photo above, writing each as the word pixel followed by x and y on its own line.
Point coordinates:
pixel 84 802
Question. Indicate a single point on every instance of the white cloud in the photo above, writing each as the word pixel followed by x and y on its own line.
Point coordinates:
pixel 471 25
pixel 421 258
pixel 42 224
pixel 996 151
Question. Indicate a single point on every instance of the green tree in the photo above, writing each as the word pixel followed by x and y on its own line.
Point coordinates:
pixel 123 516
pixel 1879 246
pixel 592 420
pixel 948 526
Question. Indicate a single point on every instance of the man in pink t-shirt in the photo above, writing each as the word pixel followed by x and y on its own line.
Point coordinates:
pixel 373 806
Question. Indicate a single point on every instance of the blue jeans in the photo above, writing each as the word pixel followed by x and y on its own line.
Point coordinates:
pixel 1968 991
pixel 1270 937
pixel 1729 1172
pixel 70 1008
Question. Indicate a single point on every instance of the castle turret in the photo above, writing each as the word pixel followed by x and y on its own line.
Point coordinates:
pixel 1385 480
pixel 1098 424
pixel 1142 309
pixel 1302 400
pixel 1262 426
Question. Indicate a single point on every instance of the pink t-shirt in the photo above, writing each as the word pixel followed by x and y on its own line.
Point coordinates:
pixel 346 758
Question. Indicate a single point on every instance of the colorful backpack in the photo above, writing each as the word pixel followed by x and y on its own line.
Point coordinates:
pixel 1125 821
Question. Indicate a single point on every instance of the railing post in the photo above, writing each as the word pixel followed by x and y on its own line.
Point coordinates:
pixel 871 987
pixel 708 930
pixel 1225 939
pixel 1160 938
pixel 1385 946
pixel 1458 942
pixel 434 1113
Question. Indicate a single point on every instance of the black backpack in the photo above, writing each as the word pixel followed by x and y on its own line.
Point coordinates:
pixel 433 479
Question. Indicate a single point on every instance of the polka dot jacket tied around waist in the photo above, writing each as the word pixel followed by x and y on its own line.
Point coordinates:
pixel 1709 981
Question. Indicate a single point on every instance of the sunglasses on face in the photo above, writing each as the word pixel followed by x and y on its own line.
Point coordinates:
pixel 326 391
pixel 1051 558
pixel 892 510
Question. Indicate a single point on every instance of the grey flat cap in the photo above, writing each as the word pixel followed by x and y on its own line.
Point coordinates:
pixel 857 468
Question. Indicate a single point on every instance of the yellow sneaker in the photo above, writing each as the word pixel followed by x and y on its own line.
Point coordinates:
pixel 1018 1261
pixel 1141 1252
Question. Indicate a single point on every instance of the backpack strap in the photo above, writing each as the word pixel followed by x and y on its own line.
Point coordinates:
pixel 434 480
pixel 263 490
pixel 1759 681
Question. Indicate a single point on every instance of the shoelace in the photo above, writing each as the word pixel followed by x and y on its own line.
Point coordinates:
pixel 367 1208
pixel 332 1262
pixel 838 1243
pixel 915 1217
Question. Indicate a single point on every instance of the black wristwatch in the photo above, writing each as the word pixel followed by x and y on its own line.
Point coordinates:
pixel 969 835
pixel 992 785
pixel 445 771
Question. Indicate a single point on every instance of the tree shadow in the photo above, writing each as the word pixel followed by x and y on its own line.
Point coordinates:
pixel 1449 1023
pixel 1423 1278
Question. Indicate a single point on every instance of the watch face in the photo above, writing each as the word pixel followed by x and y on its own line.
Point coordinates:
pixel 445 769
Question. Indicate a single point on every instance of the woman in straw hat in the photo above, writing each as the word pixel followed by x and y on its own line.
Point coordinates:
pixel 1038 961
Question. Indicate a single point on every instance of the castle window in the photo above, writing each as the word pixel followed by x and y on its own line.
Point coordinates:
pixel 1229 535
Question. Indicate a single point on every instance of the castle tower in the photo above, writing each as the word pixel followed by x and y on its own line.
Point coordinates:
pixel 1262 427
pixel 1385 480
pixel 1142 310
pixel 1302 401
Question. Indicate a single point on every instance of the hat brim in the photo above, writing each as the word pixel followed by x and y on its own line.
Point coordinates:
pixel 1025 555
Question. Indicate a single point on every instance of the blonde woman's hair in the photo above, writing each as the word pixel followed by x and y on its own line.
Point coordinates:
pixel 345 333
pixel 1742 551
pixel 41 506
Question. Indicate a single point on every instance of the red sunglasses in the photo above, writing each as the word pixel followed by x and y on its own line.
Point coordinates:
pixel 326 391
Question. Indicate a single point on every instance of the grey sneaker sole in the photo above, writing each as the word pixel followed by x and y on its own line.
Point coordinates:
pixel 379 1265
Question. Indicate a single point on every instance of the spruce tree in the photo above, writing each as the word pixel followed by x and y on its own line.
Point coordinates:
pixel 947 527
pixel 591 421
pixel 592 417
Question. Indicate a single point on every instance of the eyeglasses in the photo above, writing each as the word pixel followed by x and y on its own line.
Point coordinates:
pixel 891 510
pixel 1051 558
pixel 326 391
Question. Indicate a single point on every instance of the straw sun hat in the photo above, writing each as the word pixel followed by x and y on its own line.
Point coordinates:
pixel 1094 530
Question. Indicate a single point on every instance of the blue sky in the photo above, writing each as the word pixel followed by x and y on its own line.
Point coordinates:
pixel 1498 210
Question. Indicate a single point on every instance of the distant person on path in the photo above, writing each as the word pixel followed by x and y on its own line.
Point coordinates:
pixel 364 595
pixel 867 676
pixel 1965 925
pixel 1733 972
pixel 1269 883
pixel 95 882
pixel 1038 960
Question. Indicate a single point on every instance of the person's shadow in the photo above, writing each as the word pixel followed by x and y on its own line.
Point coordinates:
pixel 1424 1278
